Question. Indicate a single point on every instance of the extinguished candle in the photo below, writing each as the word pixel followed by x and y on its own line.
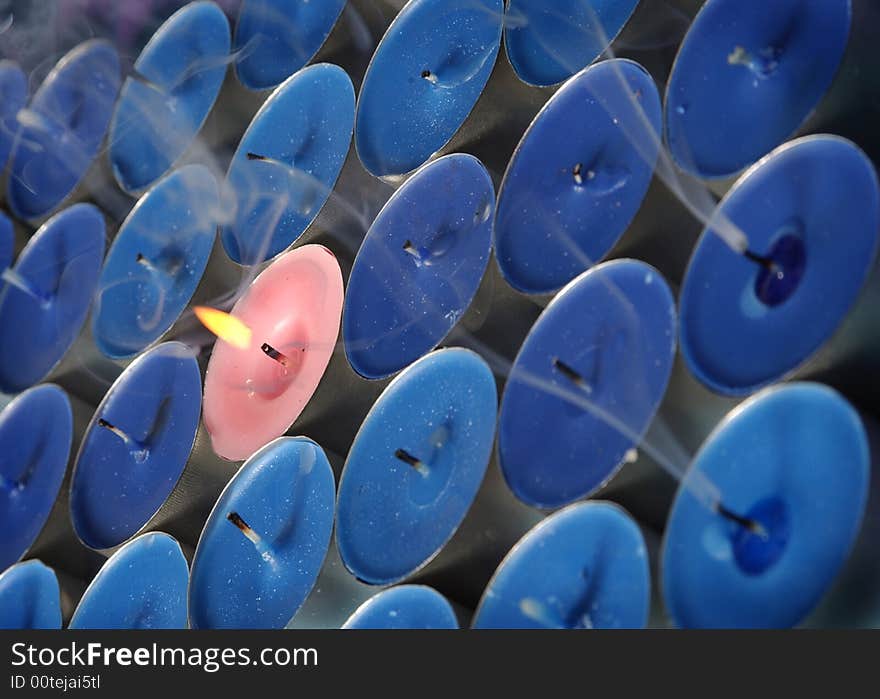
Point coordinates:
pixel 29 597
pixel 404 607
pixel 13 97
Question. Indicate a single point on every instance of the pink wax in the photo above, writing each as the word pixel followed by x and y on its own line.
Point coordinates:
pixel 294 305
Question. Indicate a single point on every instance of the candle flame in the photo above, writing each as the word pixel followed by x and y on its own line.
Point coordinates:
pixel 225 326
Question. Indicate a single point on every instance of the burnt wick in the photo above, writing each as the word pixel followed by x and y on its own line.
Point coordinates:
pixel 571 374
pixel 409 459
pixel 251 535
pixel 273 353
pixel 751 525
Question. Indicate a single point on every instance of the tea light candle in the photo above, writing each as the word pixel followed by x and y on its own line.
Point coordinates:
pixel 13 97
pixel 30 597
pixel 264 543
pixel 47 295
pixel 419 266
pixel 288 161
pixel 166 99
pixel 62 128
pixel 584 567
pixel 791 465
pixel 404 607
pixel 141 586
pixel 415 465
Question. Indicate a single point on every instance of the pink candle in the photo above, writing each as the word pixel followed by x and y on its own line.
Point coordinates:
pixel 287 323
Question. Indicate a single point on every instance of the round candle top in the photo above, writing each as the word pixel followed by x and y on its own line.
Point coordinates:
pixel 293 311
pixel 584 567
pixel 812 208
pixel 794 462
pixel 36 430
pixel 581 395
pixel 7 241
pixel 747 75
pixel 419 266
pixel 29 597
pixel 47 295
pixel 287 162
pixel 275 38
pixel 136 446
pixel 404 607
pixel 578 177
pixel 425 78
pixel 164 103
pixel 550 40
pixel 62 129
pixel 141 586
pixel 13 96
pixel 265 541
pixel 415 465
pixel 156 262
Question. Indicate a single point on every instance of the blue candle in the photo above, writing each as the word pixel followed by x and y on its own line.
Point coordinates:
pixel 141 586
pixel 578 177
pixel 404 607
pixel 811 210
pixel 584 567
pixel 156 262
pixel 7 241
pixel 162 106
pixel 275 38
pixel 287 162
pixel 415 465
pixel 62 129
pixel 425 78
pixel 136 446
pixel 747 75
pixel 419 266
pixel 36 430
pixel 29 597
pixel 792 466
pixel 13 96
pixel 581 395
pixel 47 295
pixel 263 545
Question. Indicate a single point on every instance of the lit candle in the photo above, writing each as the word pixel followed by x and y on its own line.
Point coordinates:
pixel 263 545
pixel 13 97
pixel 29 597
pixel 404 607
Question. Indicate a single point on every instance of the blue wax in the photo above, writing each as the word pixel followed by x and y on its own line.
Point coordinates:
pixel 13 96
pixel 7 241
pixel 29 597
pixel 285 494
pixel 425 77
pixel 578 177
pixel 419 266
pixel 156 262
pixel 36 430
pixel 288 161
pixel 62 129
pixel 550 40
pixel 118 484
pixel 813 206
pixel 747 75
pixel 794 459
pixel 156 119
pixel 404 607
pixel 584 567
pixel 141 586
pixel 582 394
pixel 275 38
pixel 60 264
pixel 393 517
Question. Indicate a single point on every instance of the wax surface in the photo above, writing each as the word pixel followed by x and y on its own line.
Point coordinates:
pixel 295 306
pixel 62 129
pixel 118 486
pixel 425 77
pixel 141 586
pixel 301 134
pixel 275 38
pixel 578 177
pixel 156 119
pixel 404 607
pixel 795 458
pixel 61 262
pixel 156 262
pixel 820 193
pixel 560 439
pixel 13 96
pixel 29 597
pixel 747 75
pixel 285 493
pixel 392 518
pixel 419 266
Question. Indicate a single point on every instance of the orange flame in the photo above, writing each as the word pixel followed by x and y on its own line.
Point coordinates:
pixel 227 327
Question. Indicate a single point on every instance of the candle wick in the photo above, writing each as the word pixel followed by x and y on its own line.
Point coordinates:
pixel 252 536
pixel 255 156
pixel 430 77
pixel 538 612
pixel 139 451
pixel 11 484
pixel 764 262
pixel 576 173
pixel 14 279
pixel 411 460
pixel 572 375
pixel 273 353
pixel 144 80
pixel 411 249
pixel 751 525
pixel 142 260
